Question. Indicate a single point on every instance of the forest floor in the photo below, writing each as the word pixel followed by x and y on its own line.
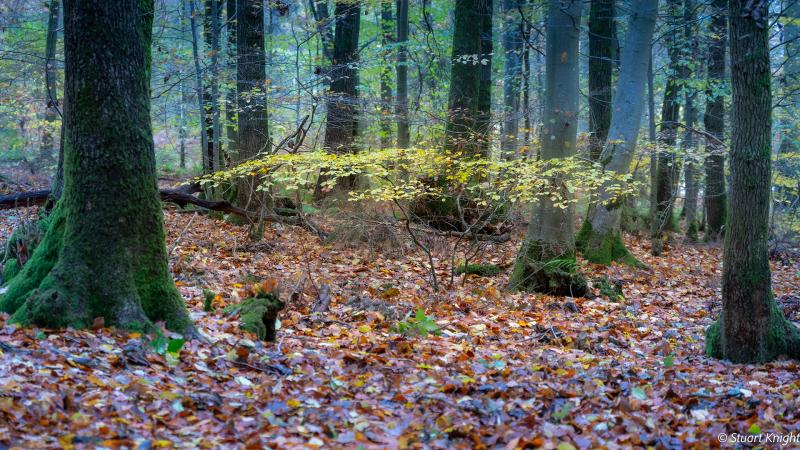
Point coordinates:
pixel 505 370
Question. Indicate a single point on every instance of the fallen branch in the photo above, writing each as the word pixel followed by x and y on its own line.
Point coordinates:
pixel 181 197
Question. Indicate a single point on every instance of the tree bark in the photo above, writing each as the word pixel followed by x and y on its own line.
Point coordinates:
pixel 714 122
pixel 201 110
pixel 667 170
pixel 484 117
pixel 546 260
pixel 602 41
pixel 461 130
pixel 387 39
pixel 230 94
pixel 103 254
pixel 253 135
pixel 751 328
pixel 689 118
pixel 513 51
pixel 403 135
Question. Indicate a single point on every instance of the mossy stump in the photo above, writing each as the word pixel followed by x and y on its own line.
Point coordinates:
pixel 536 271
pixel 604 248
pixel 259 315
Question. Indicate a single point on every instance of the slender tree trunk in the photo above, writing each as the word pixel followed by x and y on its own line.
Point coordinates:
pixel 461 130
pixel 546 260
pixel 387 39
pixel 216 148
pixel 667 170
pixel 51 94
pixel 484 117
pixel 199 88
pixel 403 135
pixel 602 41
pixel 689 118
pixel 751 328
pixel 714 122
pixel 600 238
pixel 230 94
pixel 103 255
pixel 513 51
pixel 253 136
pixel 526 88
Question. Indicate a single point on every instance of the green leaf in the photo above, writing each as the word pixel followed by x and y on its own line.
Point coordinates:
pixel 639 393
pixel 175 345
pixel 754 429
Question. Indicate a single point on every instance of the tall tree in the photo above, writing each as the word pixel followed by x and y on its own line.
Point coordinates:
pixel 387 39
pixel 251 85
pixel 513 51
pixel 484 117
pixel 751 328
pixel 715 198
pixel 230 93
pixel 403 135
pixel 50 74
pixel 602 43
pixel 211 86
pixel 103 255
pixel 689 118
pixel 546 260
pixel 341 128
pixel 600 239
pixel 462 130
pixel 667 168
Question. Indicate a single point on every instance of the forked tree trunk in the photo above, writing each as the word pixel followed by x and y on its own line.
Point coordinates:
pixel 103 255
pixel 751 328
pixel 600 238
pixel 546 260
pixel 714 121
pixel 253 136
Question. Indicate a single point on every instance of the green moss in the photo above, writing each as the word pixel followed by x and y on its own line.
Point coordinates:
pixel 208 300
pixel 691 232
pixel 537 271
pixel 483 270
pixel 258 315
pixel 604 249
pixel 714 340
pixel 10 270
pixel 609 289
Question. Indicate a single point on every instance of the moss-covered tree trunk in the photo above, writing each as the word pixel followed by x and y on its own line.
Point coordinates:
pixel 387 39
pixel 104 253
pixel 601 53
pixel 751 328
pixel 600 238
pixel 253 136
pixel 461 130
pixel 546 261
pixel 667 167
pixel 689 118
pixel 715 199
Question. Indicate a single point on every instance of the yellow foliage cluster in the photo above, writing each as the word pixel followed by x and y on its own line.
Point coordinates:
pixel 409 174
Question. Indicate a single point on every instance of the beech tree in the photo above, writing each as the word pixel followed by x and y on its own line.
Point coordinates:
pixel 546 260
pixel 751 328
pixel 601 54
pixel 51 96
pixel 600 238
pixel 401 108
pixel 715 199
pixel 513 44
pixel 103 256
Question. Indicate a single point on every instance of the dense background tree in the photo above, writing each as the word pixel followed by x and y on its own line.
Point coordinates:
pixel 104 254
pixel 601 62
pixel 751 328
pixel 546 260
pixel 715 198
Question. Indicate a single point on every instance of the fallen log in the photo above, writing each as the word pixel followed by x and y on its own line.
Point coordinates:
pixel 181 196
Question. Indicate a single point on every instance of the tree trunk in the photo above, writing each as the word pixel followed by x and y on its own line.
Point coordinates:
pixel 216 148
pixel 714 123
pixel 461 130
pixel 512 50
pixel 751 328
pixel 667 170
pixel 546 261
pixel 403 135
pixel 387 39
pixel 51 94
pixel 602 41
pixel 484 117
pixel 199 88
pixel 103 254
pixel 230 94
pixel 253 136
pixel 689 118
pixel 341 128
pixel 600 238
